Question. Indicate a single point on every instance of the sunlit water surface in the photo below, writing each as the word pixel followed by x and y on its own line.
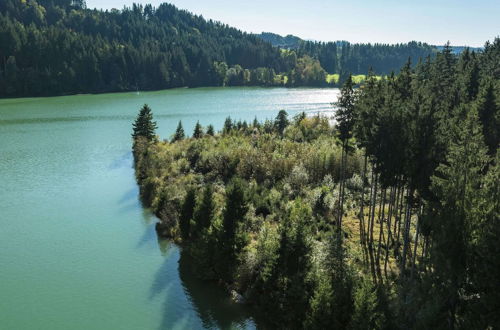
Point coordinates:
pixel 77 249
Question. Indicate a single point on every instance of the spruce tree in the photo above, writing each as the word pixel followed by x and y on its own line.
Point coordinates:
pixel 198 131
pixel 144 125
pixel 210 130
pixel 204 212
pixel 230 240
pixel 187 211
pixel 281 121
pixel 228 126
pixel 489 114
pixel 179 133
pixel 457 187
pixel 345 124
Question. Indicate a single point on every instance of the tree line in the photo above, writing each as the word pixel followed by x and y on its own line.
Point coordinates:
pixel 56 47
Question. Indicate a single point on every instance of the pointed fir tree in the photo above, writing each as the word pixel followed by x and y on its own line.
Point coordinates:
pixel 204 212
pixel 187 211
pixel 198 131
pixel 281 122
pixel 456 211
pixel 210 130
pixel 231 240
pixel 179 133
pixel 489 115
pixel 144 125
pixel 228 126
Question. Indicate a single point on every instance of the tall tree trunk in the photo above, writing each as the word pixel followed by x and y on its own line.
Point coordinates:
pixel 416 241
pixel 362 207
pixel 406 233
pixel 342 186
pixel 381 229
pixel 372 220
pixel 399 214
pixel 389 234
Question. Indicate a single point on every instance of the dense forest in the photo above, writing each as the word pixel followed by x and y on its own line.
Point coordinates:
pixel 343 57
pixel 386 219
pixel 56 47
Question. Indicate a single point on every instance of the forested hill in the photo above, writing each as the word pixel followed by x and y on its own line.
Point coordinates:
pixel 345 57
pixel 57 47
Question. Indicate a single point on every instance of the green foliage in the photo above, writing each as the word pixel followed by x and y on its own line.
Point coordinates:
pixel 210 130
pixel 281 122
pixel 345 112
pixel 179 133
pixel 232 239
pixel 274 195
pixel 198 131
pixel 187 211
pixel 144 125
pixel 367 314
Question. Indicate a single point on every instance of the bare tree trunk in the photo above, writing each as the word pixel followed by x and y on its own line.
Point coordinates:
pixel 399 214
pixel 372 220
pixel 381 223
pixel 406 234
pixel 342 186
pixel 362 206
pixel 389 234
pixel 362 234
pixel 416 241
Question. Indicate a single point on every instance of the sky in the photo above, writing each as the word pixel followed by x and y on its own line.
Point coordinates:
pixel 462 22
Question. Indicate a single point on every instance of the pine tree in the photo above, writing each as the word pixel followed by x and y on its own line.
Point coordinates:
pixel 198 131
pixel 231 240
pixel 144 125
pixel 489 114
pixel 345 124
pixel 228 126
pixel 179 133
pixel 187 211
pixel 457 186
pixel 210 130
pixel 281 122
pixel 204 212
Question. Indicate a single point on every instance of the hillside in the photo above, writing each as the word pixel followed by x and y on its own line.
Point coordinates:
pixel 61 47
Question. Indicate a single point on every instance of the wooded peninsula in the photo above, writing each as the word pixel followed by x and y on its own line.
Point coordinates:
pixel 386 219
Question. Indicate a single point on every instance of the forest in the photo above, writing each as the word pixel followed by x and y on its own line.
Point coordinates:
pixel 58 47
pixel 386 217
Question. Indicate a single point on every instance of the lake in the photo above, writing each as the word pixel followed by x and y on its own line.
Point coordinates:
pixel 78 251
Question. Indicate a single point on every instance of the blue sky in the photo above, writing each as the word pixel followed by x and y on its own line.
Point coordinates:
pixel 461 22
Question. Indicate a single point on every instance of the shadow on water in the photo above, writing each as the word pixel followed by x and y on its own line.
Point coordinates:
pixel 190 303
pixel 212 302
pixel 125 160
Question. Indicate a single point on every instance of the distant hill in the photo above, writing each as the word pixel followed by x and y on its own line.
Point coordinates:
pixel 459 49
pixel 288 42
pixel 57 47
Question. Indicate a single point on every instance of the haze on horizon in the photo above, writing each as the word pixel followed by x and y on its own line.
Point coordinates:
pixel 461 22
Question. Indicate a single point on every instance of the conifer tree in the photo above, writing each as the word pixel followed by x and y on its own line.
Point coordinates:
pixel 179 133
pixel 228 126
pixel 144 125
pixel 210 130
pixel 198 131
pixel 457 186
pixel 230 240
pixel 281 121
pixel 204 212
pixel 345 124
pixel 187 211
pixel 489 115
